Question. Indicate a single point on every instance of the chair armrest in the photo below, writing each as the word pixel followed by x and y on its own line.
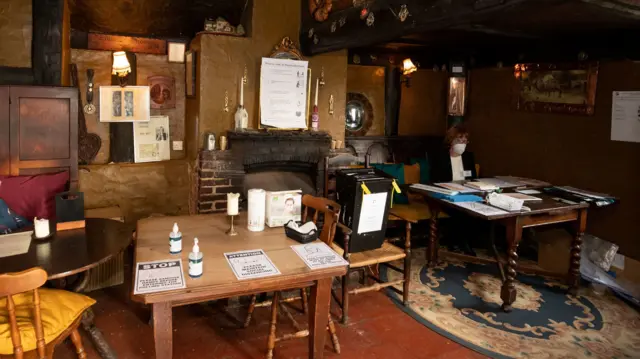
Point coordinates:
pixel 345 229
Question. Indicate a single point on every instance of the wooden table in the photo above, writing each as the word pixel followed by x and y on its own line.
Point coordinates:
pixel 547 211
pixel 75 251
pixel 218 281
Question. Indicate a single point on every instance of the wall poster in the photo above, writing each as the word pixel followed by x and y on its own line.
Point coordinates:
pixel 284 89
pixel 124 104
pixel 151 140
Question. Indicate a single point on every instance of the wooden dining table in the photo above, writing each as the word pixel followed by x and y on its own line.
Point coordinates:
pixel 218 280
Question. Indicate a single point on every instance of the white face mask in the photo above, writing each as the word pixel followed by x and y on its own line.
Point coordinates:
pixel 459 148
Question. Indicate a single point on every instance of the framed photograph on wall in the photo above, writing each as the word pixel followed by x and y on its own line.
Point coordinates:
pixel 124 104
pixel 151 140
pixel 190 61
pixel 163 91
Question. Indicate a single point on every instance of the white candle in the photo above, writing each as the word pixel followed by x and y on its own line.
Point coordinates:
pixel 41 227
pixel 315 103
pixel 232 203
pixel 241 91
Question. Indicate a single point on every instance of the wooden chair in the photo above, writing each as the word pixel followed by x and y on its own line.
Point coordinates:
pixel 25 314
pixel 330 211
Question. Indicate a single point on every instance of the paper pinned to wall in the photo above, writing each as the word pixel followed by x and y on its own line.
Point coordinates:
pixel 283 93
pixel 625 116
pixel 151 140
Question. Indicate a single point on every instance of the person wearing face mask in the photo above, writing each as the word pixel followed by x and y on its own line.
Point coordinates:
pixel 455 163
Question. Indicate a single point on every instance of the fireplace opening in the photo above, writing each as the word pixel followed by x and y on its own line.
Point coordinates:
pixel 281 176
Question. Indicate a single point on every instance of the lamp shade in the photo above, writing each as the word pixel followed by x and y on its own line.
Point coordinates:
pixel 408 67
pixel 121 66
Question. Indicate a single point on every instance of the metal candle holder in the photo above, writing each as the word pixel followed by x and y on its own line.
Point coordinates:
pixel 232 231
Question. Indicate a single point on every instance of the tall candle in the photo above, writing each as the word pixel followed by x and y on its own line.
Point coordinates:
pixel 232 203
pixel 41 227
pixel 241 92
pixel 315 103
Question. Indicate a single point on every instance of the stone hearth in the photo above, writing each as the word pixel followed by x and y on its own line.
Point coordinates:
pixel 221 172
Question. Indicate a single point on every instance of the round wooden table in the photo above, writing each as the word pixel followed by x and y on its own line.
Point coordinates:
pixel 74 252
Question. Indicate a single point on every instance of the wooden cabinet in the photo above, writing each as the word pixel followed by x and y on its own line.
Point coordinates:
pixel 39 130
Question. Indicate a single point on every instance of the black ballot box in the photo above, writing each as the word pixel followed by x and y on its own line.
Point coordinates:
pixel 365 214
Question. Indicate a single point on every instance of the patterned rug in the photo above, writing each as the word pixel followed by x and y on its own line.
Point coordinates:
pixel 462 302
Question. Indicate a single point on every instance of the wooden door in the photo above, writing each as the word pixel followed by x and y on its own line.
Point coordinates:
pixel 44 130
pixel 5 150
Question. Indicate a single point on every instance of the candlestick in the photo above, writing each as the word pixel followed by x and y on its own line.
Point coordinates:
pixel 315 102
pixel 41 227
pixel 232 203
pixel 241 91
pixel 232 231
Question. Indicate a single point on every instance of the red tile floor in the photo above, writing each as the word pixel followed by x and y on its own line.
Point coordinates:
pixel 377 329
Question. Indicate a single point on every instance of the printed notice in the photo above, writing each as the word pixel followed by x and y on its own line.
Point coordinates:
pixel 372 212
pixel 158 276
pixel 625 116
pixel 481 208
pixel 251 264
pixel 318 255
pixel 283 93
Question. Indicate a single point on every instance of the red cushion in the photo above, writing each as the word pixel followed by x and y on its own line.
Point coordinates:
pixel 33 196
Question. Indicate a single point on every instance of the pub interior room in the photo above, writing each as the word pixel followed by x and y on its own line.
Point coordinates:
pixel 239 179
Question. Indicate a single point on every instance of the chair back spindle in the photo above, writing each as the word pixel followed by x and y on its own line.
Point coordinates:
pixel 330 211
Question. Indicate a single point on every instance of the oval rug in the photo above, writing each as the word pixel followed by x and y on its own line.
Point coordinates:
pixel 461 301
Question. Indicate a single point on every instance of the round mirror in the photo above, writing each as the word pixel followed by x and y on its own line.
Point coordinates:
pixel 355 115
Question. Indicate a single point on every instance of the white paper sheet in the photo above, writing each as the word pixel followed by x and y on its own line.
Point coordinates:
pixel 481 208
pixel 13 244
pixel 528 191
pixel 372 212
pixel 457 187
pixel 318 255
pixel 158 276
pixel 283 93
pixel 625 116
pixel 499 182
pixel 251 264
pixel 151 140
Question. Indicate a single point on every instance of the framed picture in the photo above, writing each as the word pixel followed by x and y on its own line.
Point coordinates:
pixel 162 91
pixel 175 51
pixel 456 97
pixel 191 59
pixel 124 104
pixel 562 88
pixel 151 140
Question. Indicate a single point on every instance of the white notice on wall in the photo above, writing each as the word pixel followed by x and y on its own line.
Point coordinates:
pixel 158 276
pixel 372 212
pixel 318 255
pixel 251 264
pixel 283 93
pixel 625 116
pixel 151 140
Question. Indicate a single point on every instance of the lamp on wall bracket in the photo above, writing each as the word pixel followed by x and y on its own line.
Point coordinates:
pixel 457 93
pixel 121 67
pixel 408 67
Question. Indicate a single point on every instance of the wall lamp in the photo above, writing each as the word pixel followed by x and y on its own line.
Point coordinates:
pixel 121 67
pixel 407 69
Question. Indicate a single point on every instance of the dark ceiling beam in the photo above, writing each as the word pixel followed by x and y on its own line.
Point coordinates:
pixel 425 15
pixel 46 54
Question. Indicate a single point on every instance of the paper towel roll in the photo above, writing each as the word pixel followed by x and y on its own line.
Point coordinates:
pixel 256 202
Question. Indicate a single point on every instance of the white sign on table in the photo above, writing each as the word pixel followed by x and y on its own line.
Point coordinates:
pixel 13 244
pixel 283 93
pixel 251 264
pixel 318 255
pixel 625 116
pixel 481 208
pixel 372 212
pixel 158 276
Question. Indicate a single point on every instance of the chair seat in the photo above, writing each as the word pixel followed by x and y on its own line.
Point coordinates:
pixel 59 309
pixel 412 212
pixel 387 253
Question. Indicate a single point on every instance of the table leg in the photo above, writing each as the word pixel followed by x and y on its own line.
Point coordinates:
pixel 576 248
pixel 432 251
pixel 514 235
pixel 407 264
pixel 101 345
pixel 319 317
pixel 162 330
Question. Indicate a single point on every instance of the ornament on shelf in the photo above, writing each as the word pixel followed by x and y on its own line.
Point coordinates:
pixel 221 26
pixel 403 13
pixel 370 19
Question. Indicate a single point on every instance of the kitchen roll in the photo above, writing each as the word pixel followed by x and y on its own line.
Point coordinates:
pixel 256 203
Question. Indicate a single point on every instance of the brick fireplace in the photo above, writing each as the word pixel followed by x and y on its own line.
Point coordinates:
pixel 293 153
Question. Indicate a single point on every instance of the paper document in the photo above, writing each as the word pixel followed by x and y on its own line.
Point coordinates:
pixel 525 181
pixel 584 193
pixel 499 182
pixel 372 212
pixel 481 208
pixel 251 264
pixel 318 255
pixel 283 93
pixel 625 116
pixel 528 191
pixel 457 187
pixel 158 276
pixel 426 187
pixel 522 196
pixel 13 244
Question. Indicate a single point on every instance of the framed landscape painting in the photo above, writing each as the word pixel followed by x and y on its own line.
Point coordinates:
pixel 124 104
pixel 559 88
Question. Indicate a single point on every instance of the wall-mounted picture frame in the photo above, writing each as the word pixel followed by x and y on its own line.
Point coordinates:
pixel 162 91
pixel 176 51
pixel 190 62
pixel 124 104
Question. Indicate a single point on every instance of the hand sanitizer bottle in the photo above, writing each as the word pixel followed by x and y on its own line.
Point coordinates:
pixel 195 261
pixel 175 240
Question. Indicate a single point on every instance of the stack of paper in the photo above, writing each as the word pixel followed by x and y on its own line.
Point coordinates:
pixel 500 182
pixel 457 187
pixel 523 197
pixel 483 186
pixel 425 187
pixel 525 181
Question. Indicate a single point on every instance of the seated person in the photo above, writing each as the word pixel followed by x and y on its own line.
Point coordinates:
pixel 454 163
